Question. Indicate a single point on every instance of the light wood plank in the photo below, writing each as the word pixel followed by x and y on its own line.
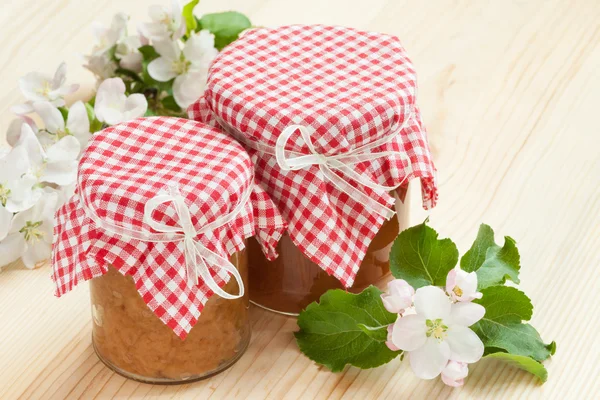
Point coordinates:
pixel 510 93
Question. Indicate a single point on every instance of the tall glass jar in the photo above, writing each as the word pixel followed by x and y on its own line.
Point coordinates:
pixel 291 282
pixel 131 340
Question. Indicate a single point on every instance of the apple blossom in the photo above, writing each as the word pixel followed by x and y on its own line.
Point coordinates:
pixel 106 38
pixel 189 66
pixel 40 87
pixel 461 285
pixel 101 65
pixel 128 55
pixel 77 125
pixel 56 164
pixel 438 332
pixel 113 106
pixel 17 191
pixel 30 233
pixel 398 296
pixel 165 24
pixel 454 373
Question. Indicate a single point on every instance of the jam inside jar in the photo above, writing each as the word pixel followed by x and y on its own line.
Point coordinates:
pixel 131 340
pixel 291 282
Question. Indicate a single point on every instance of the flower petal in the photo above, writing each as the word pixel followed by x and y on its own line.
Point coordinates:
pixel 22 194
pixel 52 118
pixel 432 303
pixel 66 149
pixel 60 76
pixel 135 106
pixel 5 220
pixel 11 248
pixel 78 122
pixel 465 313
pixel 32 86
pixel 188 88
pixel 167 49
pixel 464 344
pixel 110 97
pixel 22 109
pixel 161 69
pixel 36 252
pixel 428 361
pixel 409 332
pixel 454 373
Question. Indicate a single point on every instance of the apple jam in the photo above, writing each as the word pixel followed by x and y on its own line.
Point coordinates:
pixel 130 339
pixel 291 282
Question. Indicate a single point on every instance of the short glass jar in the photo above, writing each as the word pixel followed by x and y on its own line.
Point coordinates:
pixel 131 340
pixel 291 282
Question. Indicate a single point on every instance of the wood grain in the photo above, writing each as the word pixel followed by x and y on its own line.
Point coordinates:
pixel 510 93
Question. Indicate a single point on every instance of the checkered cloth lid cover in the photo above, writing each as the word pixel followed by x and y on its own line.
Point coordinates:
pixel 126 165
pixel 348 88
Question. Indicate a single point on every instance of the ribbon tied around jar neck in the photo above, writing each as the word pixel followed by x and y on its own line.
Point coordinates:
pixel 198 257
pixel 328 164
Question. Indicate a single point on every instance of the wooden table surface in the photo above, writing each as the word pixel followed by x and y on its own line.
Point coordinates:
pixel 510 92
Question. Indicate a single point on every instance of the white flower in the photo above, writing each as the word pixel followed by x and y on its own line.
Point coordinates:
pixel 78 124
pixel 30 233
pixel 106 38
pixel 398 296
pixel 189 66
pixel 461 285
pixel 17 191
pixel 165 24
pixel 14 129
pixel 128 55
pixel 56 164
pixel 438 332
pixel 101 65
pixel 454 373
pixel 113 106
pixel 40 87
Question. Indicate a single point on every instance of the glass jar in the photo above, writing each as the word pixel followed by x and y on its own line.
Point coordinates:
pixel 291 282
pixel 131 340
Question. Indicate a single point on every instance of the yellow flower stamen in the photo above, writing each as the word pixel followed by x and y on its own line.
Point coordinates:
pixel 436 328
pixel 457 291
pixel 32 232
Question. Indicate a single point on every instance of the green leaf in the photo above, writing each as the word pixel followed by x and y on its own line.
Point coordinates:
pixel 170 104
pixel 95 125
pixel 148 53
pixel 493 264
pixel 473 259
pixel 188 16
pixel 339 330
pixel 525 363
pixel 501 263
pixel 64 112
pixel 420 258
pixel 226 26
pixel 501 327
pixel 124 72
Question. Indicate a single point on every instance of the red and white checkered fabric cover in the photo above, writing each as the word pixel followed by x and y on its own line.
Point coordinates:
pixel 349 88
pixel 126 165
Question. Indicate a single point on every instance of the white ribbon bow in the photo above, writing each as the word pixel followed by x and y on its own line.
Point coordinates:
pixel 340 162
pixel 197 256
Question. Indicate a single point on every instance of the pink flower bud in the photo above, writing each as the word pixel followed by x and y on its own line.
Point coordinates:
pixel 398 297
pixel 455 373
